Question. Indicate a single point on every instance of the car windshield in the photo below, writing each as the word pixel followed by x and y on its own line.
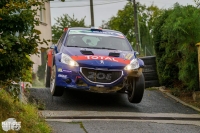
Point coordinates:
pixel 97 42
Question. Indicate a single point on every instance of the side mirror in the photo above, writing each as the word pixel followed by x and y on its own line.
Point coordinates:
pixel 136 53
pixel 52 46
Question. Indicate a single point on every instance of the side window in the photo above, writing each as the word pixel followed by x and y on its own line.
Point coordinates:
pixel 61 41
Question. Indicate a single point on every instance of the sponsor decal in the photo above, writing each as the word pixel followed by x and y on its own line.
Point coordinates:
pixel 128 56
pixel 60 70
pixel 100 76
pixel 99 85
pixel 62 76
pixel 68 71
pixel 97 57
pixel 101 58
pixel 90 32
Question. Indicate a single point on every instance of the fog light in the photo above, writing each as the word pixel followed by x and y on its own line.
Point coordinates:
pixel 68 80
pixel 80 82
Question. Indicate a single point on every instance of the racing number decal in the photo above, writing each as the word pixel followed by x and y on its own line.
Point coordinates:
pixel 100 75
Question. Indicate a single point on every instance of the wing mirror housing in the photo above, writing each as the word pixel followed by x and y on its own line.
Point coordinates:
pixel 136 52
pixel 54 47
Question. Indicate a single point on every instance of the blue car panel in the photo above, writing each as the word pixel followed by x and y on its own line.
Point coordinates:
pixel 88 59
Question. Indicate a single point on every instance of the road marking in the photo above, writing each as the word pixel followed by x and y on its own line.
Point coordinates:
pixel 196 123
pixel 124 118
pixel 49 113
pixel 167 118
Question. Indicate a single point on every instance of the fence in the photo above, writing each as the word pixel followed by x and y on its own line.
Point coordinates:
pixel 150 72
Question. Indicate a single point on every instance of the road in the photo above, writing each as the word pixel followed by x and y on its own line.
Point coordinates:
pixel 78 111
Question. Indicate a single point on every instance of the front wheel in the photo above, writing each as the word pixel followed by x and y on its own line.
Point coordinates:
pixel 136 89
pixel 55 90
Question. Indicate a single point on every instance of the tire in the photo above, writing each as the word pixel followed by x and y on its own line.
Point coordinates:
pixel 136 90
pixel 47 76
pixel 54 89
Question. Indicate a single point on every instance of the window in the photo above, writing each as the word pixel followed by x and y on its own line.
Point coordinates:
pixel 97 42
pixel 61 41
pixel 42 14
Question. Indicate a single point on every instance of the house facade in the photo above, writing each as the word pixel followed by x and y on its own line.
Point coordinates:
pixel 45 29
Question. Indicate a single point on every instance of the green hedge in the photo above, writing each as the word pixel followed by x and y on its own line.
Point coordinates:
pixel 175 33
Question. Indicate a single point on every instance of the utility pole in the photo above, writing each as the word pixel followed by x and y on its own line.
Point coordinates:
pixel 92 12
pixel 136 26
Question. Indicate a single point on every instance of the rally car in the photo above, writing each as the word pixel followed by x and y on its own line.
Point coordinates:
pixel 96 60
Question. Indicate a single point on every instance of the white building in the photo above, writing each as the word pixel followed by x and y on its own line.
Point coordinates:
pixel 45 28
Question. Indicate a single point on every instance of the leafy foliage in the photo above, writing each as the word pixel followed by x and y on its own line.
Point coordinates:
pixel 19 39
pixel 175 34
pixel 124 22
pixel 63 22
pixel 41 71
pixel 25 113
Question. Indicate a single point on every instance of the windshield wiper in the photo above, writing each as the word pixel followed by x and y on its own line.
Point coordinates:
pixel 103 48
pixel 94 47
pixel 106 48
pixel 79 46
pixel 72 46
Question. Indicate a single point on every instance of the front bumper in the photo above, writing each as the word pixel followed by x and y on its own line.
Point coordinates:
pixel 73 77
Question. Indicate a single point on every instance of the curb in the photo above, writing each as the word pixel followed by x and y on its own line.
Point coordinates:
pixel 177 99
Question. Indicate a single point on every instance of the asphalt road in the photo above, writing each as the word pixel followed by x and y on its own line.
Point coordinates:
pixel 121 127
pixel 153 102
pixel 82 104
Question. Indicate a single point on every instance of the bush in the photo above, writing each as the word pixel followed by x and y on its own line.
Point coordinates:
pixel 19 39
pixel 175 35
pixel 41 71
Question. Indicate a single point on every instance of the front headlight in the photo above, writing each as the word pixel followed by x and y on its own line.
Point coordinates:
pixel 66 59
pixel 133 65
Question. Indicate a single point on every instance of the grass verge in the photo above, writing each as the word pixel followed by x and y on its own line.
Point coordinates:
pixel 27 114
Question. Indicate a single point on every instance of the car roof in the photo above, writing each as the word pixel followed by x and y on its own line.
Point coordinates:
pixel 83 28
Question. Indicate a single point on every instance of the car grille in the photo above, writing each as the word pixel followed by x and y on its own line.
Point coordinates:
pixel 101 76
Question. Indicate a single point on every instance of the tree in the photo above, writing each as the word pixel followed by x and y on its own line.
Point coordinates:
pixel 147 17
pixel 19 39
pixel 197 2
pixel 63 22
pixel 124 22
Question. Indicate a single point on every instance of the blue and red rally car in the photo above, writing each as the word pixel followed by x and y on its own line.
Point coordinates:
pixel 96 60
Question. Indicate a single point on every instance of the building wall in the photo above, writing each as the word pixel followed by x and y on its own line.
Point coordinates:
pixel 45 28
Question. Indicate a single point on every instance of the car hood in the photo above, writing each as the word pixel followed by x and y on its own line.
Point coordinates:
pixel 101 58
